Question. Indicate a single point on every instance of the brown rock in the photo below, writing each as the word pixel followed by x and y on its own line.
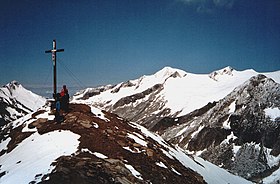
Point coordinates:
pixel 121 143
pixel 85 124
pixel 38 123
pixel 137 145
pixel 150 152
pixel 109 131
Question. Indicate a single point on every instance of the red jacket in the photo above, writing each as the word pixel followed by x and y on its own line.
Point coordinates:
pixel 63 92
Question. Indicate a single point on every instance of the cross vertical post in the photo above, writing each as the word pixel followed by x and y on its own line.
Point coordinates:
pixel 54 51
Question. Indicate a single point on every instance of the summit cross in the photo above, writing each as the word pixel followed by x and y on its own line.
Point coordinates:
pixel 54 51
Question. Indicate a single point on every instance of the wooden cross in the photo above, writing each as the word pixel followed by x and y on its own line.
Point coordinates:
pixel 54 51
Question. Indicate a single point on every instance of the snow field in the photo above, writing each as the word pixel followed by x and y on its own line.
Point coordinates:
pixel 35 154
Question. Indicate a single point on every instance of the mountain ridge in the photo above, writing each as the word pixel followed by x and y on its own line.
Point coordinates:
pixel 196 89
pixel 227 117
pixel 82 152
pixel 173 106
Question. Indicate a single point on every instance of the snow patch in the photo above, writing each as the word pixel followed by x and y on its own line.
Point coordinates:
pixel 196 132
pixel 229 137
pixel 95 125
pixel 167 154
pixel 271 160
pixel 181 131
pixel 86 150
pixel 235 149
pixel 35 154
pixel 4 144
pixel 198 153
pixel 20 121
pixel 99 113
pixel 232 107
pixel 100 155
pixel 174 170
pixel 160 164
pixel 13 113
pixel 134 171
pixel 26 129
pixel 273 113
pixel 137 139
pixel 273 178
pixel 44 115
pixel 136 150
pixel 226 124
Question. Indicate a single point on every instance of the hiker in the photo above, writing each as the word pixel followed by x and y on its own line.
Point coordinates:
pixel 64 96
pixel 57 108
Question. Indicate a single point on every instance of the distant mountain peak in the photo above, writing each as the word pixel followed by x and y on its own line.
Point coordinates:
pixel 222 72
pixel 13 85
pixel 168 71
pixel 16 101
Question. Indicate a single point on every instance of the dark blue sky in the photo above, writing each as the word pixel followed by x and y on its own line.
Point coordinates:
pixel 108 41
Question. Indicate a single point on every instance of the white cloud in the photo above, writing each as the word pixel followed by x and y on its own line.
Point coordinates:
pixel 224 3
pixel 208 6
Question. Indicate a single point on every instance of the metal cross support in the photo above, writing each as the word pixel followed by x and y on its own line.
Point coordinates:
pixel 54 51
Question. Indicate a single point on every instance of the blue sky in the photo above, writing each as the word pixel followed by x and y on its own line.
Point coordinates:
pixel 109 41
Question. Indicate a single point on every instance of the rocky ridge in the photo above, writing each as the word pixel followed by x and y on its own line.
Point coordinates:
pixel 105 149
pixel 144 103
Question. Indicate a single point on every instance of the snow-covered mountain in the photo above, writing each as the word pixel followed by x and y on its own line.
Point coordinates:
pixel 16 101
pixel 240 132
pixel 229 117
pixel 169 92
pixel 94 146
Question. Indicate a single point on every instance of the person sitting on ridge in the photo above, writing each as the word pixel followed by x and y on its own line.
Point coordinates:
pixel 64 98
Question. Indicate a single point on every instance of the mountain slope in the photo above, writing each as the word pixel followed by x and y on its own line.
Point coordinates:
pixel 16 101
pixel 241 132
pixel 93 146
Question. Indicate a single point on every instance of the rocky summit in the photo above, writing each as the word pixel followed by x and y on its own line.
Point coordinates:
pixel 93 146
